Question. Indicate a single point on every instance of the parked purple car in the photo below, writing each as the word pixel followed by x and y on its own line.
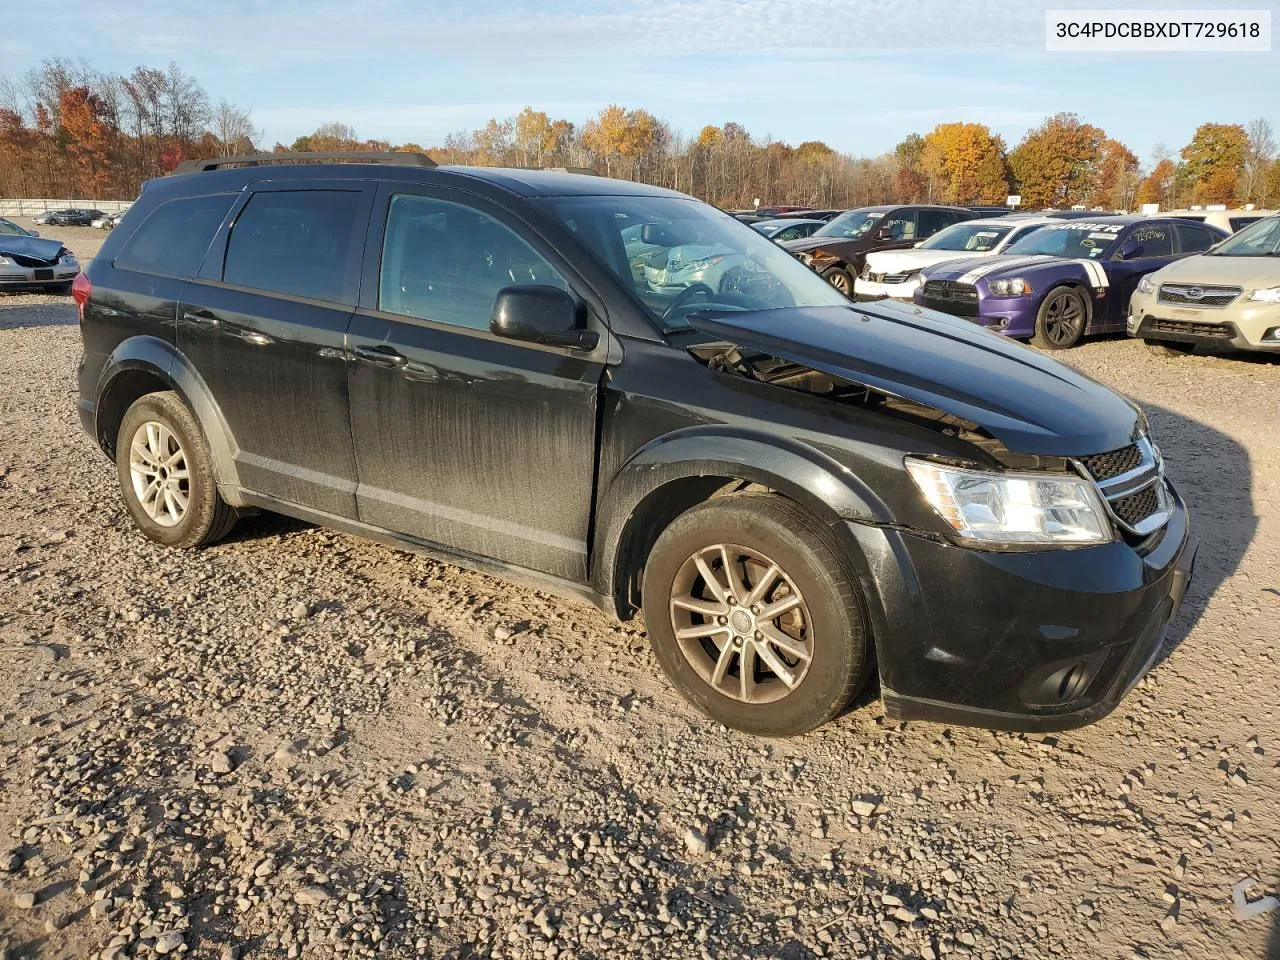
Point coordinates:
pixel 1064 280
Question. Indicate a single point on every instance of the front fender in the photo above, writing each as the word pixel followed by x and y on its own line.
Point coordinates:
pixel 829 490
pixel 163 361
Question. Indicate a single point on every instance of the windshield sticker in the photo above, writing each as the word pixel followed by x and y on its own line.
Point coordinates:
pixel 1107 237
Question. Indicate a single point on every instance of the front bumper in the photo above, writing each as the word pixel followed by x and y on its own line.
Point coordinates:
pixel 871 290
pixel 1044 640
pixel 16 277
pixel 1242 325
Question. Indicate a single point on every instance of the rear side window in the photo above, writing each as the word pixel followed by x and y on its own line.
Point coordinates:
pixel 445 262
pixel 1239 222
pixel 172 241
pixel 1194 239
pixel 297 242
pixel 931 221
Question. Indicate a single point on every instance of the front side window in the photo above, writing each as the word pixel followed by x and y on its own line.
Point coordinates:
pixel 688 256
pixel 1261 239
pixel 172 241
pixel 1239 223
pixel 10 229
pixel 901 225
pixel 446 262
pixel 1146 242
pixel 297 242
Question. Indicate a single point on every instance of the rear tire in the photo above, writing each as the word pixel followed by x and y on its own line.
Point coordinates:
pixel 1169 348
pixel 1061 319
pixel 841 280
pixel 166 474
pixel 805 664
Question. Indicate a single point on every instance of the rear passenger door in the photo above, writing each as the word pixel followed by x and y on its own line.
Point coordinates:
pixel 1192 238
pixel 264 324
pixel 478 443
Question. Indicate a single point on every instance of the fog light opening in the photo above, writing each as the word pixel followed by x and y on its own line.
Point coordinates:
pixel 1072 683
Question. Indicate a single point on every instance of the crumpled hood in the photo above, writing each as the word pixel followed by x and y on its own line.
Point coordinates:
pixel 36 247
pixel 1032 404
pixel 988 266
pixel 1251 273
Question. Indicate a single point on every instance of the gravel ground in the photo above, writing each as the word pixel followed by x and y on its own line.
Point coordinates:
pixel 296 743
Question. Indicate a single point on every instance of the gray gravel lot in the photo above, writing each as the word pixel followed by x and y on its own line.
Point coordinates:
pixel 296 743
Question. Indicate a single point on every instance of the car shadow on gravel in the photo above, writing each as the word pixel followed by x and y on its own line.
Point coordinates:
pixel 15 313
pixel 1213 474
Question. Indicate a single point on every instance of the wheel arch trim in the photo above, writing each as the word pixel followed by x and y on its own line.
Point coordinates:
pixel 162 360
pixel 827 489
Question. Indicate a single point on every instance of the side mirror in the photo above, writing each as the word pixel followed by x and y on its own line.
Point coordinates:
pixel 884 233
pixel 1130 250
pixel 541 314
pixel 34 233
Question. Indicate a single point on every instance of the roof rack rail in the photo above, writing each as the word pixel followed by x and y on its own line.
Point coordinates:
pixel 347 156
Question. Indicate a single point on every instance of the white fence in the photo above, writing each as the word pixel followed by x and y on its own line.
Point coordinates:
pixel 29 208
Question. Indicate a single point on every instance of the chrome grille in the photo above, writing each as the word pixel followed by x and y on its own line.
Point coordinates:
pixel 1131 481
pixel 1192 295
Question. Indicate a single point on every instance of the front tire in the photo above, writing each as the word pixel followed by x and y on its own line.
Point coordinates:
pixel 1061 319
pixel 1169 348
pixel 753 616
pixel 841 280
pixel 166 474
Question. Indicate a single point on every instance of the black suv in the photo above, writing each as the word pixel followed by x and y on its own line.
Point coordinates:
pixel 838 251
pixel 463 361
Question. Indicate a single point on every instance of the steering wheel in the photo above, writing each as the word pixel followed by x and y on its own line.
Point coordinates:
pixel 687 294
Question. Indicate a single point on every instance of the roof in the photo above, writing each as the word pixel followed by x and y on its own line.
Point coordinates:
pixel 1010 221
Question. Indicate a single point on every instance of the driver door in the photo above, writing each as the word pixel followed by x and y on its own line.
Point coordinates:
pixel 1149 247
pixel 478 443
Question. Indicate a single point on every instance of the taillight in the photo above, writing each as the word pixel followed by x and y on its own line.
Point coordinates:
pixel 81 290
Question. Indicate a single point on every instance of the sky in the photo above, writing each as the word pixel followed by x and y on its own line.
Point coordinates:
pixel 857 74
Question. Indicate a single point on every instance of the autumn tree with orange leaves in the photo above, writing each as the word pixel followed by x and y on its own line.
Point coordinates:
pixel 964 163
pixel 1056 163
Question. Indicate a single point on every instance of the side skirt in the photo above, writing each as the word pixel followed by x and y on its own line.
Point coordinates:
pixel 532 579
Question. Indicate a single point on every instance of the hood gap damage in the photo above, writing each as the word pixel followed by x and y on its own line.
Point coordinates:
pixel 761 367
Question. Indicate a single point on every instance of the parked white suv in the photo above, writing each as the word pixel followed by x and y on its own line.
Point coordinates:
pixel 896 273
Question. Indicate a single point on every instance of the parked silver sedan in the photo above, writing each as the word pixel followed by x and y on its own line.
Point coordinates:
pixel 28 261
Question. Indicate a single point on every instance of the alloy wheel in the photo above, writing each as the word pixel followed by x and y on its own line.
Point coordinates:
pixel 742 624
pixel 841 283
pixel 159 472
pixel 1064 318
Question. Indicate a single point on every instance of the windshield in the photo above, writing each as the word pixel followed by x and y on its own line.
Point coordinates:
pixel 682 256
pixel 1260 239
pixel 973 237
pixel 10 229
pixel 1077 239
pixel 850 225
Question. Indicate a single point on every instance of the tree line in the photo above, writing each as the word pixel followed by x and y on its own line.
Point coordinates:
pixel 67 129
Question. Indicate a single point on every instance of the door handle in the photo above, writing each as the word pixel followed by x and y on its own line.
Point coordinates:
pixel 381 355
pixel 201 317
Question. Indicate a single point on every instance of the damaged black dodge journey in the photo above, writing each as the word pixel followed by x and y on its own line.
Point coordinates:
pixel 617 392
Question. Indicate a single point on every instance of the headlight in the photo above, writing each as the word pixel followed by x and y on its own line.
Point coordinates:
pixel 1017 287
pixel 1146 285
pixel 1266 295
pixel 5 262
pixel 866 271
pixel 1013 508
pixel 67 259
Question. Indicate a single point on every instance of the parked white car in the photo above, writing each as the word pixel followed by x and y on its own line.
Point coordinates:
pixel 714 264
pixel 896 273
pixel 1228 220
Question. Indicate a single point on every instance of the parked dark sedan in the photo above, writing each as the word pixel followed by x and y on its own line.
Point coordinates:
pixel 838 250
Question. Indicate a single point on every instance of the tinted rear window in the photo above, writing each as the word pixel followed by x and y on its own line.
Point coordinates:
pixel 173 239
pixel 298 242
